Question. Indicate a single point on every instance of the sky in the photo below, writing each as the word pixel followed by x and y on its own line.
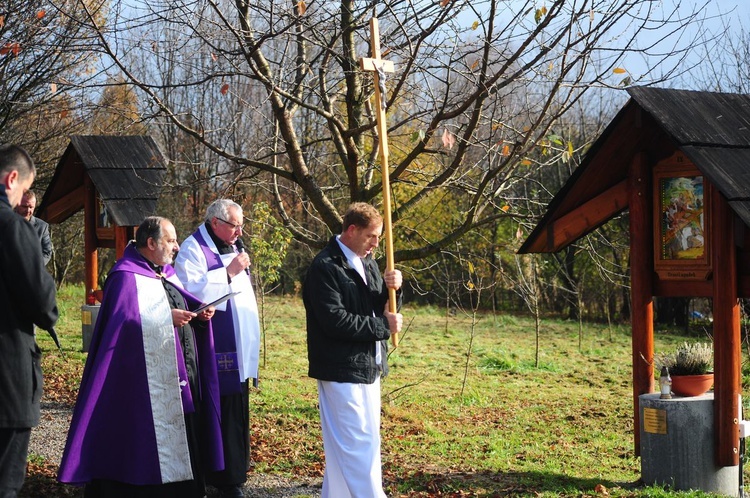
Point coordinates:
pixel 720 16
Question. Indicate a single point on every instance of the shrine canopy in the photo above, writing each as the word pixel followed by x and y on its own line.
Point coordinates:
pixel 126 171
pixel 116 180
pixel 712 131
pixel 679 161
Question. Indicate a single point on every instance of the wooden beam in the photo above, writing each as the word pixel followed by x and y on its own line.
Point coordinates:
pixel 641 284
pixel 369 64
pixel 66 206
pixel 91 259
pixel 687 288
pixel 587 217
pixel 726 332
pixel 122 237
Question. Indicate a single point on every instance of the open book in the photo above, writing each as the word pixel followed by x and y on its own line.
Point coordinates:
pixel 217 302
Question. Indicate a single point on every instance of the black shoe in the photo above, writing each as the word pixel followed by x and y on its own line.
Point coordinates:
pixel 231 492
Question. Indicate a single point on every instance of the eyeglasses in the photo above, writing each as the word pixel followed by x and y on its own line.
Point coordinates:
pixel 234 227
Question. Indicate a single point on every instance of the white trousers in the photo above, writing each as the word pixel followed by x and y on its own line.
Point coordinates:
pixel 350 421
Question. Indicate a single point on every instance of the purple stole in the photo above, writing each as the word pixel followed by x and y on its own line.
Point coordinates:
pixel 222 323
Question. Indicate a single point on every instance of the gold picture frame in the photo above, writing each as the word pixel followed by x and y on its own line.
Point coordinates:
pixel 681 221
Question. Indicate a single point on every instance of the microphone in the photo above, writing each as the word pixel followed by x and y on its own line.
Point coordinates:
pixel 241 248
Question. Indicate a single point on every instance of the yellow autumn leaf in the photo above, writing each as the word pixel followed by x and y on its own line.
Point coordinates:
pixel 506 150
pixel 301 8
pixel 619 70
pixel 505 208
pixel 539 14
pixel 475 25
pixel 570 147
pixel 470 285
pixel 471 267
pixel 41 14
pixel 443 3
pixel 526 162
pixel 2 21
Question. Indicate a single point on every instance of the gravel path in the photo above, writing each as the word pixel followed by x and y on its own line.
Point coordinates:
pixel 48 441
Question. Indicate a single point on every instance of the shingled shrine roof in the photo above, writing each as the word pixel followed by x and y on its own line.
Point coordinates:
pixel 711 129
pixel 127 172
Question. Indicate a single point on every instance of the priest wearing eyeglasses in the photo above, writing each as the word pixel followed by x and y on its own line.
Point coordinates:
pixel 212 263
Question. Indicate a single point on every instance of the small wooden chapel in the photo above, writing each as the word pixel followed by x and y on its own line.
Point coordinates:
pixel 679 162
pixel 116 180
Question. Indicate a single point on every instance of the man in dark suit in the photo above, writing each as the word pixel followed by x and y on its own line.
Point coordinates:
pixel 27 298
pixel 26 209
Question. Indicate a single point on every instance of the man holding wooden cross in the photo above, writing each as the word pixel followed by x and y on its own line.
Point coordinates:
pixel 351 312
pixel 348 326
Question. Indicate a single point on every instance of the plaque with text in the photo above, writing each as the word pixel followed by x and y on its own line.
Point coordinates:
pixel 654 421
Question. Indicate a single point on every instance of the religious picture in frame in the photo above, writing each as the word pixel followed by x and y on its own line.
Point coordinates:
pixel 680 222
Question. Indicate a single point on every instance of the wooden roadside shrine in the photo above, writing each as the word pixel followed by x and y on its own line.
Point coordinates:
pixel 116 180
pixel 679 161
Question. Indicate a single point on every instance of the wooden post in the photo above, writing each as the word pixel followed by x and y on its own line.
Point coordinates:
pixel 726 332
pixel 379 67
pixel 122 237
pixel 641 284
pixel 91 260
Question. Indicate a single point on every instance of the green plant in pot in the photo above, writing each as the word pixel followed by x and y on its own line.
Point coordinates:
pixel 691 367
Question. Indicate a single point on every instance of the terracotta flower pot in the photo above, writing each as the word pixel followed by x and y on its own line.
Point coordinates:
pixel 692 385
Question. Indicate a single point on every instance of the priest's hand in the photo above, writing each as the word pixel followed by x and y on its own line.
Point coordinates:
pixel 206 314
pixel 181 317
pixel 238 265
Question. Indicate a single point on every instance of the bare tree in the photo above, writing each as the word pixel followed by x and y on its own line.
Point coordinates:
pixel 275 87
pixel 528 286
pixel 46 59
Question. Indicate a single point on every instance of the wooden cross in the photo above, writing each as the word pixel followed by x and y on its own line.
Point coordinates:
pixel 379 67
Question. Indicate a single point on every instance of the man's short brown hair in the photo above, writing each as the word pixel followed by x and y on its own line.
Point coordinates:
pixel 360 214
pixel 13 157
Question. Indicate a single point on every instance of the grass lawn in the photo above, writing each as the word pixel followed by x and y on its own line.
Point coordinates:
pixel 485 421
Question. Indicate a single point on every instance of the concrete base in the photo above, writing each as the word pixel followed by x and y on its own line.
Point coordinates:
pixel 677 445
pixel 89 313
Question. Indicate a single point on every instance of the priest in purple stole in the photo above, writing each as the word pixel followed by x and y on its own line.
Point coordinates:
pixel 211 264
pixel 146 422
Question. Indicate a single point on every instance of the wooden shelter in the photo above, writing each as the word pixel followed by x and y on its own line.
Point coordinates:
pixel 679 161
pixel 116 180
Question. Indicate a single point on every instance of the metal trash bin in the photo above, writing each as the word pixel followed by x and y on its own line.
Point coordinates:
pixel 89 312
